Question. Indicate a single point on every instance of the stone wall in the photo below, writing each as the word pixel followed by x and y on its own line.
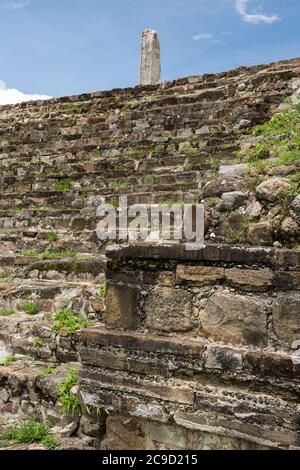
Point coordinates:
pixel 201 341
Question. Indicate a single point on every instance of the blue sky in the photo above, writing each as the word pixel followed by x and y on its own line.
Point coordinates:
pixel 63 47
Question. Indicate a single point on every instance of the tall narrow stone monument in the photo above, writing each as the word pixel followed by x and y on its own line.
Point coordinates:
pixel 150 58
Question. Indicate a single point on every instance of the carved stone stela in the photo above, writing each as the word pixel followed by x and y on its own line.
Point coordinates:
pixel 150 58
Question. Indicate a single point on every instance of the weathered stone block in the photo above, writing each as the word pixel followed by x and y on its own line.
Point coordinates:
pixel 199 273
pixel 224 359
pixel 286 318
pixel 270 189
pixel 234 319
pixel 121 307
pixel 168 310
pixel 250 279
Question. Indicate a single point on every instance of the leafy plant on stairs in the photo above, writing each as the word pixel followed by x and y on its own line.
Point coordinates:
pixel 66 319
pixel 68 400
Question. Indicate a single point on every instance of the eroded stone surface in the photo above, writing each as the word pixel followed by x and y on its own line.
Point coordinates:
pixel 150 58
pixel 235 319
pixel 168 310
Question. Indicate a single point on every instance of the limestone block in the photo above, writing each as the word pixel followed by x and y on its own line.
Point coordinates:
pixel 169 310
pixel 250 279
pixel 286 318
pixel 121 311
pixel 201 274
pixel 234 319
pixel 150 58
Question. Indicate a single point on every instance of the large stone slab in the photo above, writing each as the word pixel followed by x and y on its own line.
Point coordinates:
pixel 121 311
pixel 286 318
pixel 234 319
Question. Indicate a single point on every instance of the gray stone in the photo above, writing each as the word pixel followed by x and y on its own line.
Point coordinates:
pixel 289 227
pixel 231 201
pixel 233 171
pixel 260 234
pixel 234 319
pixel 244 123
pixel 224 359
pixel 92 428
pixel 169 310
pixel 270 189
pixel 150 58
pixel 296 205
pixel 254 210
pixel 70 429
pixel 286 315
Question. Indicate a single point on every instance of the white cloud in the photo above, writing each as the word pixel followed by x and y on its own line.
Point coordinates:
pixel 13 96
pixel 15 5
pixel 241 7
pixel 203 37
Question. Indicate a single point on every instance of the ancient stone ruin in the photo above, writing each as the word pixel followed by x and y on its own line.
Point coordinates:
pixel 150 58
pixel 146 346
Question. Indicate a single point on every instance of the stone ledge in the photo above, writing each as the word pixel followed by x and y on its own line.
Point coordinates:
pixel 282 259
pixel 102 337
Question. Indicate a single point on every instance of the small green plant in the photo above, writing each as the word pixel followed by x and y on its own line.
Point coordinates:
pixel 52 236
pixel 8 361
pixel 133 152
pixel 62 186
pixel 102 291
pixel 16 210
pixel 215 163
pixel 50 254
pixel 66 319
pixel 6 312
pixel 149 179
pixel 49 370
pixel 92 410
pixel 95 410
pixel 38 342
pixel 119 184
pixel 191 154
pixel 31 431
pixel 66 397
pixel 31 307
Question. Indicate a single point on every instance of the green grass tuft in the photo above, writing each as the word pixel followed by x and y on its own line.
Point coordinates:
pixel 30 431
pixel 52 236
pixel 6 312
pixel 31 307
pixel 66 397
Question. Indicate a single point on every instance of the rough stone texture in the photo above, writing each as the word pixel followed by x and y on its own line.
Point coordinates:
pixel 254 210
pixel 199 274
pixel 249 279
pixel 234 319
pixel 121 310
pixel 168 310
pixel 270 189
pixel 260 234
pixel 233 171
pixel 137 434
pixel 231 201
pixel 286 317
pixel 296 204
pixel 150 58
